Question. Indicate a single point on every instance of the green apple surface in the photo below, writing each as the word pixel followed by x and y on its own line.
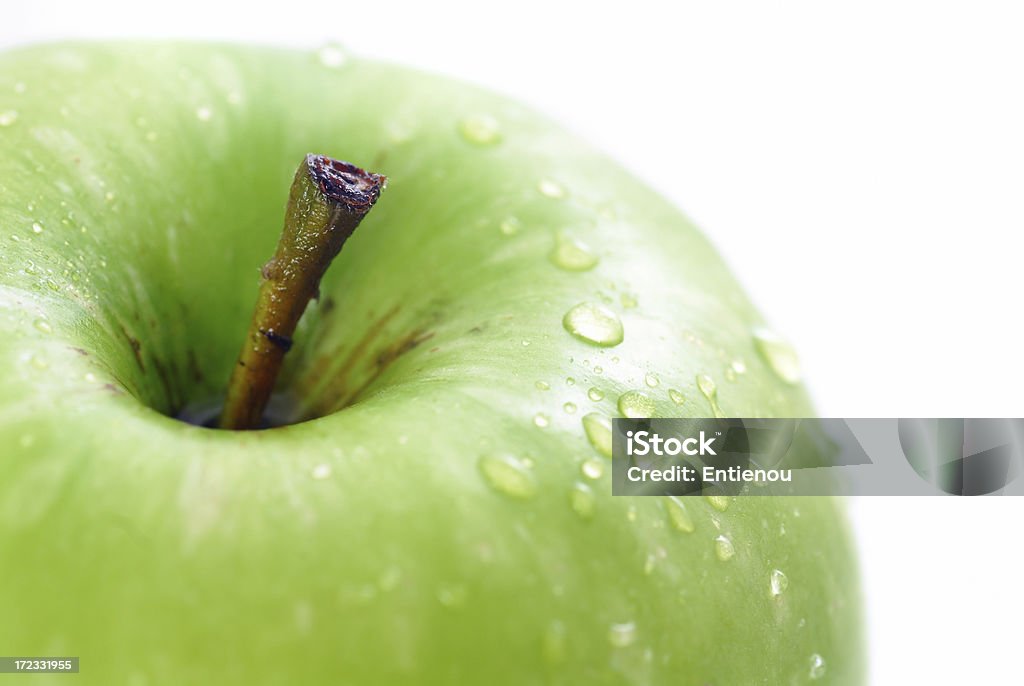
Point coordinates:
pixel 440 512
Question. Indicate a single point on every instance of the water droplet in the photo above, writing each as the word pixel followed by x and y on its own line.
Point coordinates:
pixel 550 189
pixel 628 301
pixel 109 196
pixel 332 56
pixel 480 129
pixel 37 227
pixel 553 645
pixel 709 389
pixel 389 579
pixel 302 614
pixel 321 471
pixel 724 549
pixel 592 468
pixel 38 362
pixel 729 374
pixel 508 475
pixel 679 515
pixel 204 113
pixel 452 596
pixel 622 635
pixel 569 407
pixel 572 255
pixel 598 369
pixel 30 267
pixel 582 501
pixel 817 667
pixel 594 324
pixel 526 343
pixel 541 420
pixel 361 594
pixel 599 432
pixel 739 366
pixel 675 396
pixel 595 394
pixel 631 513
pixel 652 380
pixel 400 132
pixel 90 377
pixel 42 326
pixel 542 386
pixel 719 502
pixel 634 404
pixel 8 117
pixel 779 355
pixel 569 381
pixel 778 582
pixel 510 226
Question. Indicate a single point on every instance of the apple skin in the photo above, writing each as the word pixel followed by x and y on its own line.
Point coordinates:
pixel 142 185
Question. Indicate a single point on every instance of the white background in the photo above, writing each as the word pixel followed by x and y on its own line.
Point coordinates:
pixel 861 167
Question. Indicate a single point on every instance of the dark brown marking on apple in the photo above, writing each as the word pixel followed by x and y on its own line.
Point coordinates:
pixel 322 363
pixel 404 345
pixel 81 351
pixel 136 347
pixel 337 391
pixel 350 187
pixel 282 342
pixel 385 358
pixel 165 380
pixel 193 365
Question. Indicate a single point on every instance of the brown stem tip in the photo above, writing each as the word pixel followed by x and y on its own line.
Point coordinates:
pixel 345 184
pixel 327 201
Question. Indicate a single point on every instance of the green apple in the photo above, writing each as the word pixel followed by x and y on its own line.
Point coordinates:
pixel 440 509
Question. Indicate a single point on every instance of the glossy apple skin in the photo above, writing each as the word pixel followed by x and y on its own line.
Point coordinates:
pixel 142 186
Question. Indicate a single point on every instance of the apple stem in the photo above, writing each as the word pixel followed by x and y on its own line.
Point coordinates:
pixel 327 201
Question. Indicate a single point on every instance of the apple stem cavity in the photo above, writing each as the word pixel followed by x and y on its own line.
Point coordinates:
pixel 328 199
